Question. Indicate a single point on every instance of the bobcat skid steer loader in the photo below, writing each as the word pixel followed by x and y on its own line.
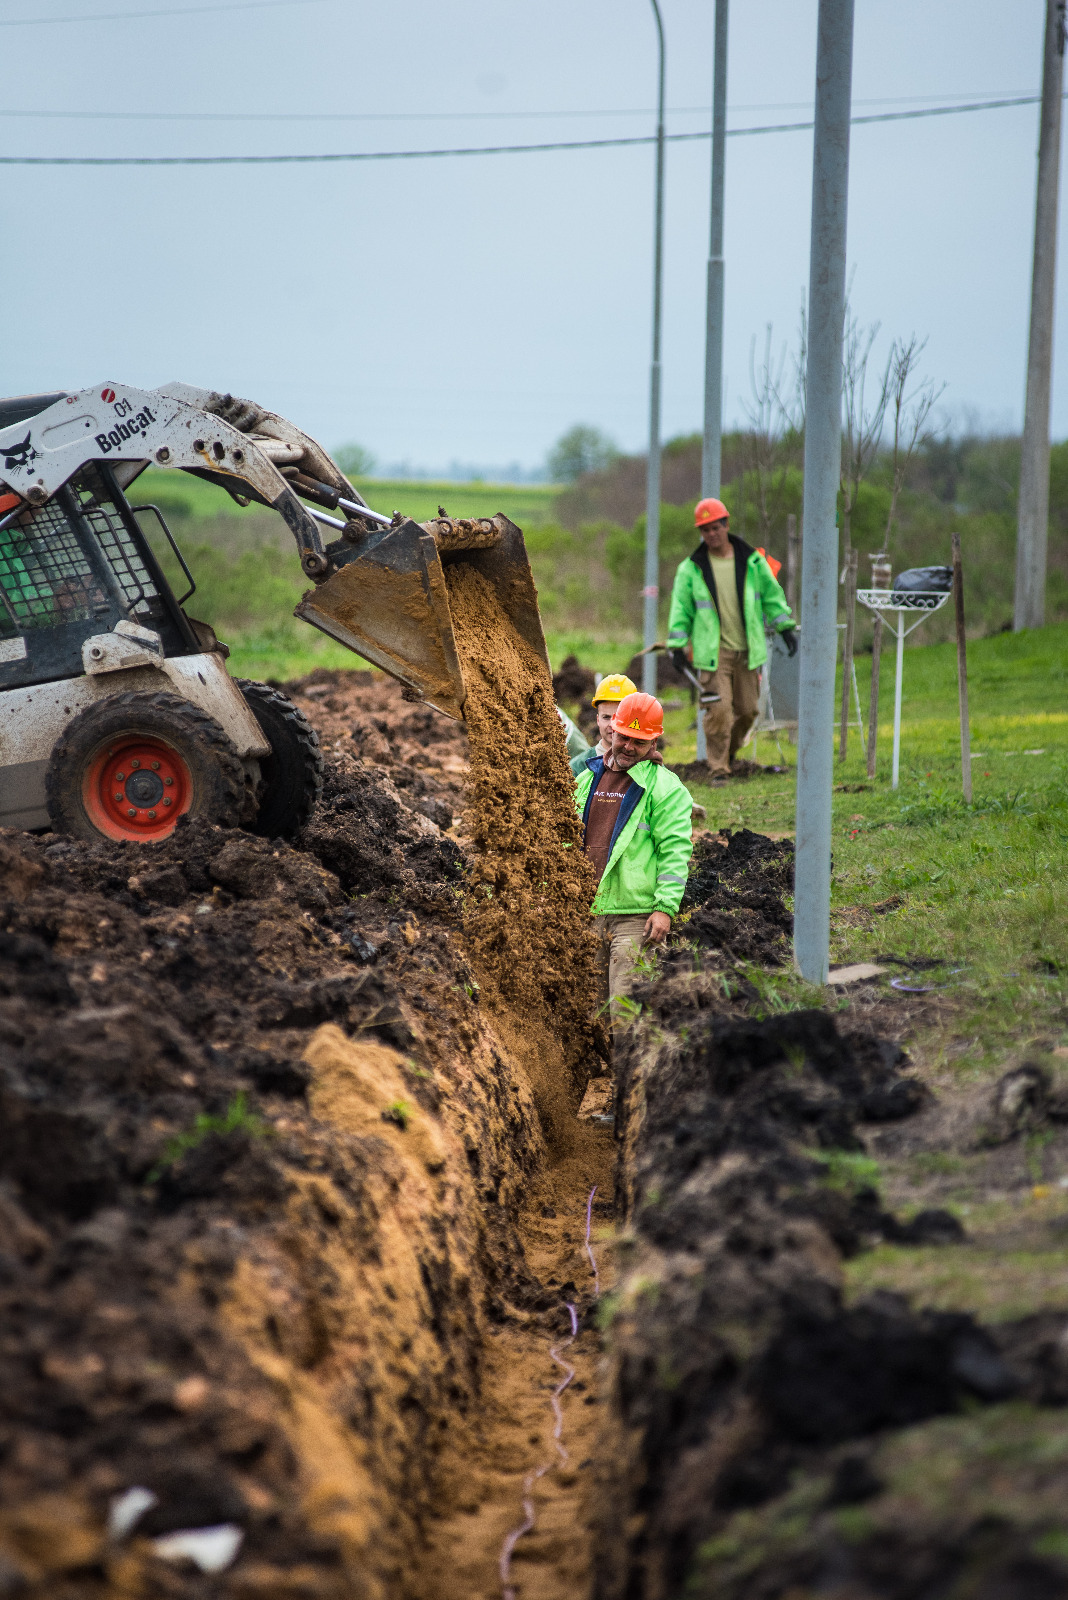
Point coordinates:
pixel 117 712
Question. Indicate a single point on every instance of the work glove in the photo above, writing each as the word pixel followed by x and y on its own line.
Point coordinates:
pixel 789 639
pixel 679 662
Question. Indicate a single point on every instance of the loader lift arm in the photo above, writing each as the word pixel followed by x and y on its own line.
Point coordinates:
pixel 380 586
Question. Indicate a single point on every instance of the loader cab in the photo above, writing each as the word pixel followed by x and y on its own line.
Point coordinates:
pixel 74 568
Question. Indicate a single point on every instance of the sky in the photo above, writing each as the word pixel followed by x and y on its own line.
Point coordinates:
pixel 472 309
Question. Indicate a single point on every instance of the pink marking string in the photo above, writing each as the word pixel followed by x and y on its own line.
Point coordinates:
pixel 589 1251
pixel 527 1525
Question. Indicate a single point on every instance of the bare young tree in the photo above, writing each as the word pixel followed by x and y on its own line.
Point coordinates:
pixel 864 413
pixel 911 400
pixel 771 438
pixel 794 401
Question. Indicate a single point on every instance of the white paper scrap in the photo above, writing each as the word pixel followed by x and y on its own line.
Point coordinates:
pixel 211 1549
pixel 126 1508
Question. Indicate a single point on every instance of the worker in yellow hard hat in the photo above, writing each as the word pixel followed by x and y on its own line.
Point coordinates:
pixel 606 697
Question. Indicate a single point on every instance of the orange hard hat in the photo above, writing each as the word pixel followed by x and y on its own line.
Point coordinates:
pixel 709 511
pixel 639 715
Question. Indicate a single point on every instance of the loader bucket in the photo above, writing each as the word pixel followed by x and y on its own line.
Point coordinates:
pixel 389 602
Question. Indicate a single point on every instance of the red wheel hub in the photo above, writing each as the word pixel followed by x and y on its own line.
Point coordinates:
pixel 136 788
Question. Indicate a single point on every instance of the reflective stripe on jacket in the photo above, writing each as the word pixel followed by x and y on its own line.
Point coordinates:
pixel 649 858
pixel 693 605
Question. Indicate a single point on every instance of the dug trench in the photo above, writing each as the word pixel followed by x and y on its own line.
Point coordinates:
pixel 289 1168
pixel 293 1205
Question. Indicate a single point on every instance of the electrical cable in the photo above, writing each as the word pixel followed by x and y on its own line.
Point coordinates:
pixel 171 11
pixel 504 1563
pixel 490 150
pixel 435 116
pixel 589 1251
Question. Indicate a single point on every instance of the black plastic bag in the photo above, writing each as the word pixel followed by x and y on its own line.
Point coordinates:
pixel 937 580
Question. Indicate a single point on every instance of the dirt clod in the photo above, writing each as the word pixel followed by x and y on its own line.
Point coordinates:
pixel 734 905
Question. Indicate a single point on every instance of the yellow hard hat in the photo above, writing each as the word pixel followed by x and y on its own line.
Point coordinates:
pixel 615 687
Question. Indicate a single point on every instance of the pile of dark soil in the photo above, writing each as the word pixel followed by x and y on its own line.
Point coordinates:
pixel 529 887
pixel 737 1371
pixel 573 682
pixel 668 675
pixel 261 1158
pixel 734 906
pixel 365 715
pixel 697 771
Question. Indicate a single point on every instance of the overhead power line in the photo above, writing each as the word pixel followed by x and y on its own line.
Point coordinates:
pixel 171 11
pixel 443 116
pixel 488 150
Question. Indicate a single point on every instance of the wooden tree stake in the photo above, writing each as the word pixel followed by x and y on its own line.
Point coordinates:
pixel 847 652
pixel 873 703
pixel 962 673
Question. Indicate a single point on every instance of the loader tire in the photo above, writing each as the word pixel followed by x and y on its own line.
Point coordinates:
pixel 293 773
pixel 129 766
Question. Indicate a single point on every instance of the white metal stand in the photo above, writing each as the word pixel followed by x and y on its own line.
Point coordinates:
pixel 899 603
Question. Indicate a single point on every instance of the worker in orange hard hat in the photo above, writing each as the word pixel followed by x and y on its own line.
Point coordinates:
pixel 637 832
pixel 606 697
pixel 721 598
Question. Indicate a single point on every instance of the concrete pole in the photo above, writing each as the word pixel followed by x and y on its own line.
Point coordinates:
pixel 712 452
pixel 823 464
pixel 1033 506
pixel 651 592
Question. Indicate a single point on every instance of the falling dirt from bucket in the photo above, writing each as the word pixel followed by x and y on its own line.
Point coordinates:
pixel 526 918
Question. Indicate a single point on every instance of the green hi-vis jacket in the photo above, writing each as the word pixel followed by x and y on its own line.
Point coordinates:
pixel 652 841
pixel 693 605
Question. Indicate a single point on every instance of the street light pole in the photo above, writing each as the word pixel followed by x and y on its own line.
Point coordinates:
pixel 823 463
pixel 712 451
pixel 651 592
pixel 1032 525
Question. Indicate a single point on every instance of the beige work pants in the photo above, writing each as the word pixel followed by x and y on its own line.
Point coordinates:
pixel 621 943
pixel 728 721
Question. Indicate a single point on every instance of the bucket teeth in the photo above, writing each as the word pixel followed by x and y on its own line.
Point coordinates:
pixel 458 533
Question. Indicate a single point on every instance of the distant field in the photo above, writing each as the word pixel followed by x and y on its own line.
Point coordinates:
pixel 529 505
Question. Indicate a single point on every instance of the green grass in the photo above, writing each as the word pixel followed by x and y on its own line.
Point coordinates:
pixel 996 1285
pixel 237 1118
pixel 964 1481
pixel 183 496
pixel 916 871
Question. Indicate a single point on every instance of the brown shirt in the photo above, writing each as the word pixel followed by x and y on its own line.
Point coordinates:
pixel 604 810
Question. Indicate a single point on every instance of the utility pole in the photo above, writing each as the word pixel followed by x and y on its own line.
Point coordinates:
pixel 823 465
pixel 651 592
pixel 711 453
pixel 1032 524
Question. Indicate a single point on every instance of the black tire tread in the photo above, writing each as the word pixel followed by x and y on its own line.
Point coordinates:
pixel 286 808
pixel 128 709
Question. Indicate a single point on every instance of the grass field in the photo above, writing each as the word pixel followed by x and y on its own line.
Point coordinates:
pixel 529 505
pixel 916 871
